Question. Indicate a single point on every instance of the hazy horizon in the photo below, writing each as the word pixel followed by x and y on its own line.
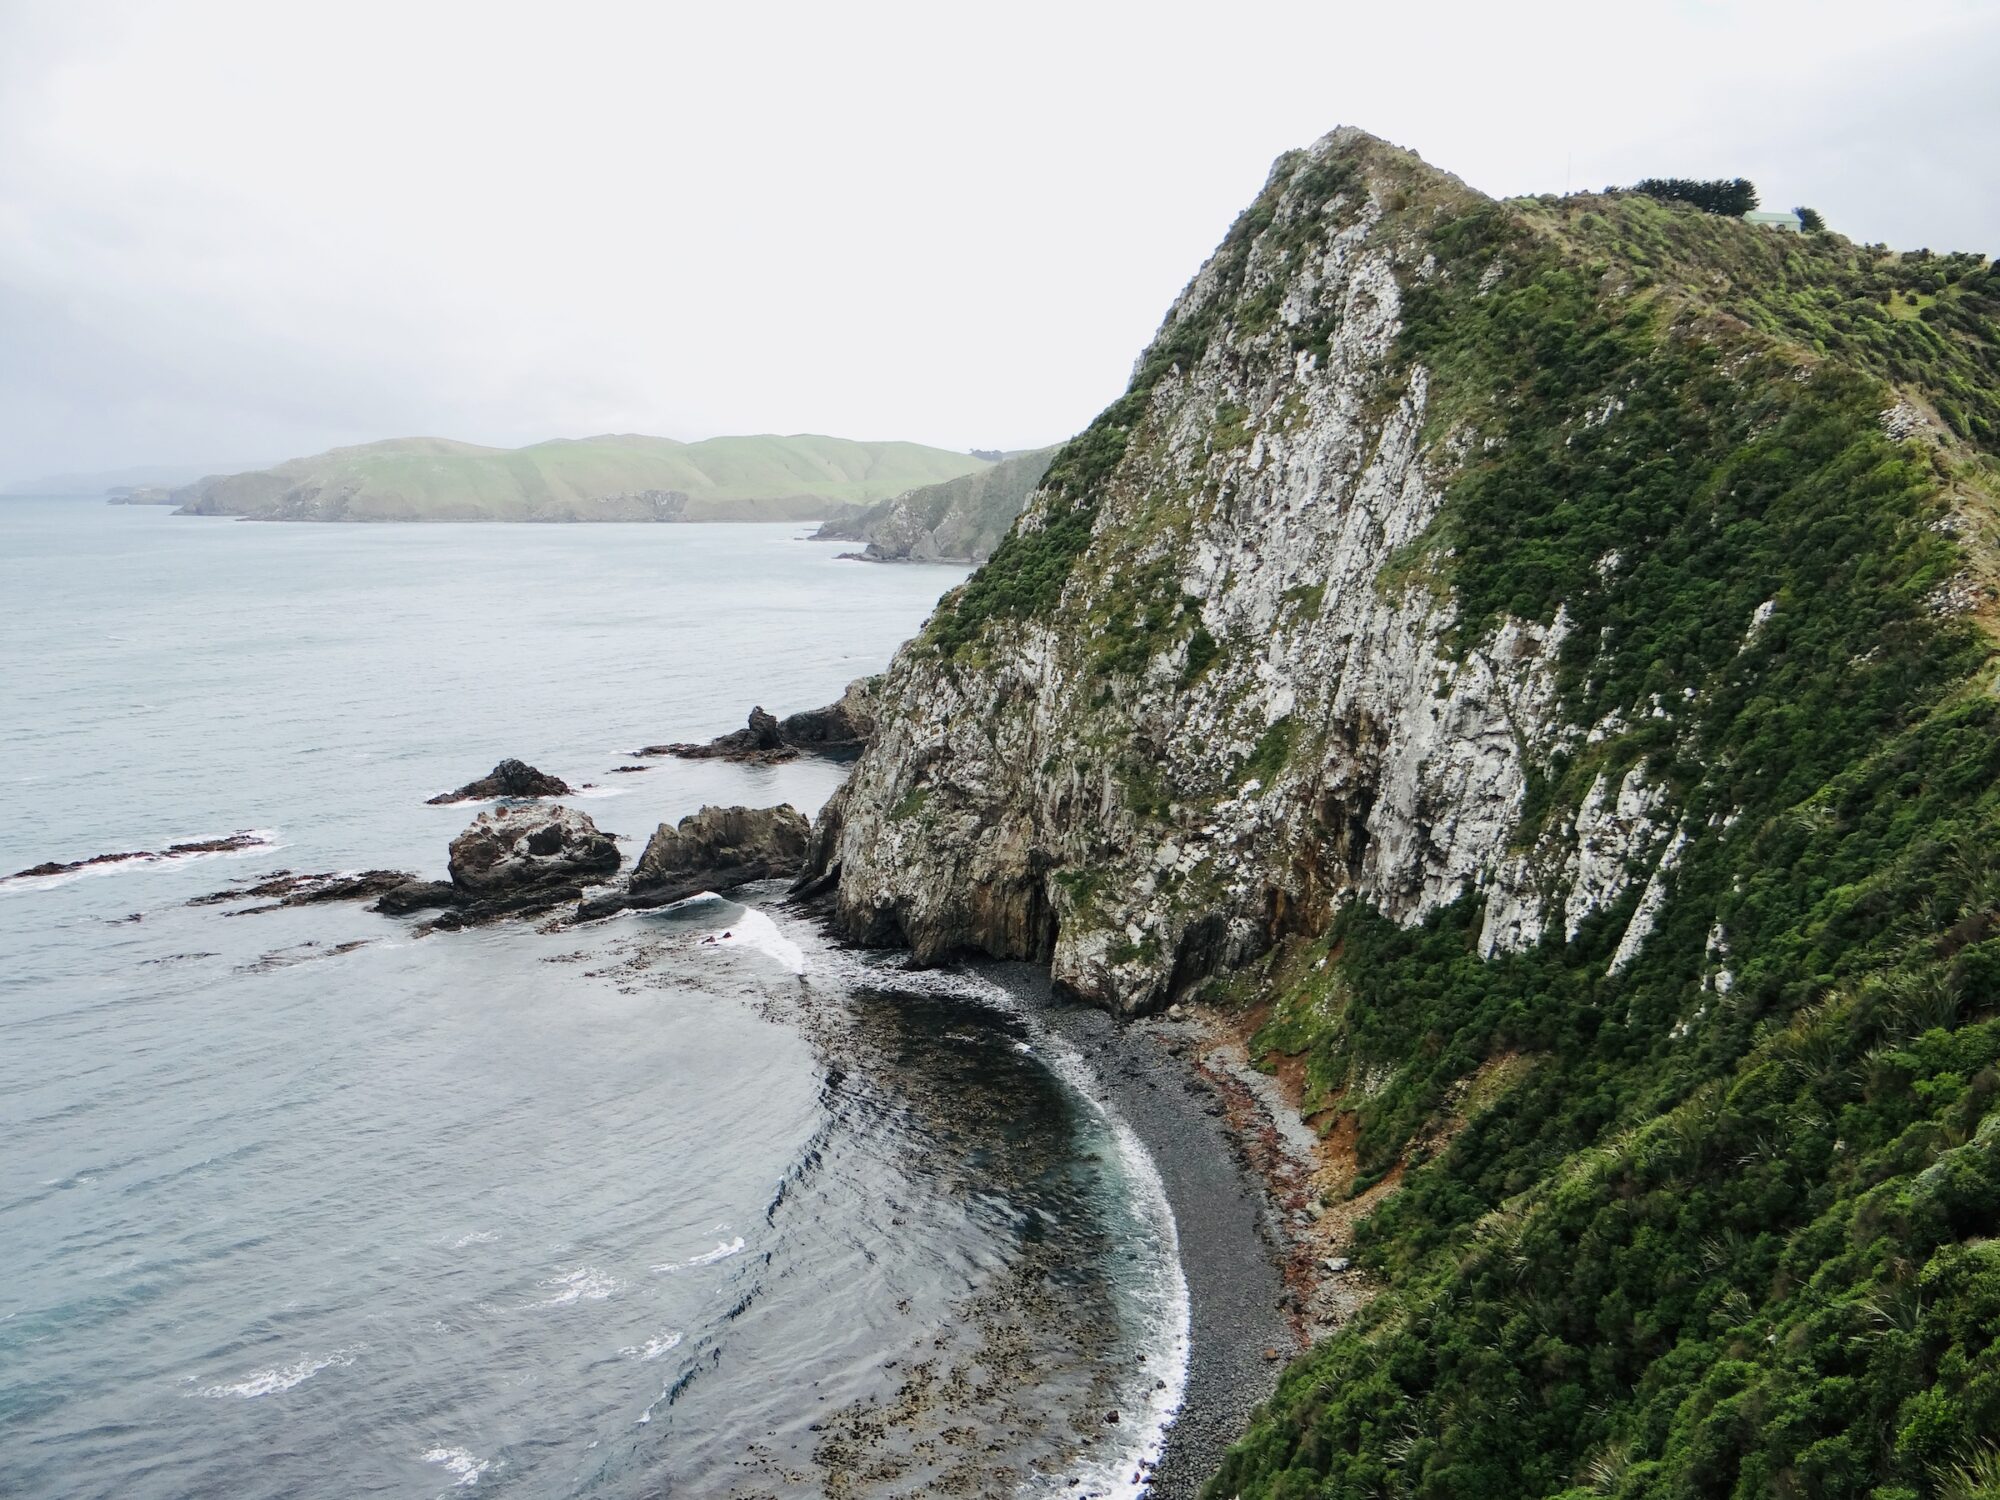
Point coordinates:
pixel 172 476
pixel 233 234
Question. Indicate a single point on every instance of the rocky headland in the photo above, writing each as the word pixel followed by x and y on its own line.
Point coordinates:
pixel 615 477
pixel 958 521
pixel 1526 663
pixel 1501 709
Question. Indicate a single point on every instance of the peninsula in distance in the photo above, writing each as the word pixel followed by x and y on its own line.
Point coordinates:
pixel 622 477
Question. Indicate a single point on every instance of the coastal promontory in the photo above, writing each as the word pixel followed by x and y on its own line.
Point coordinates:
pixel 626 477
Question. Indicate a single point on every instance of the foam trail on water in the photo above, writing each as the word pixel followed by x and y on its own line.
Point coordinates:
pixel 755 930
pixel 722 1251
pixel 1170 1341
pixel 584 1284
pixel 460 1462
pixel 653 1348
pixel 281 1378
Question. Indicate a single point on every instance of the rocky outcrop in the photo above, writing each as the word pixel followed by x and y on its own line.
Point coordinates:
pixel 416 896
pixel 513 779
pixel 959 521
pixel 757 743
pixel 844 725
pixel 840 728
pixel 286 888
pixel 715 849
pixel 228 844
pixel 511 861
pixel 508 851
pixel 1248 696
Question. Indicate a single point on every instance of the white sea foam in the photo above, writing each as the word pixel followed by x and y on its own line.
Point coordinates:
pixel 755 930
pixel 722 1251
pixel 264 841
pixel 477 1237
pixel 584 1284
pixel 1169 1340
pixel 653 1348
pixel 282 1378
pixel 597 793
pixel 465 1468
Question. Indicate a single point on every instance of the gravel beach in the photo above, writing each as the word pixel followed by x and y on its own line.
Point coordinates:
pixel 1241 1333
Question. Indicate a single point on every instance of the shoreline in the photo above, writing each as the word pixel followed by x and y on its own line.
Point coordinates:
pixel 1235 1253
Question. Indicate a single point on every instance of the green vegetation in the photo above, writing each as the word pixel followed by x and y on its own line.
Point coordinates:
pixel 1306 598
pixel 1810 221
pixel 1730 197
pixel 1139 612
pixel 1273 749
pixel 1730 1236
pixel 1202 651
pixel 1230 429
pixel 601 478
pixel 1826 295
pixel 1721 1243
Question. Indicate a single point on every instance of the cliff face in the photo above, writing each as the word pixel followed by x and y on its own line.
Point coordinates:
pixel 1537 654
pixel 1228 684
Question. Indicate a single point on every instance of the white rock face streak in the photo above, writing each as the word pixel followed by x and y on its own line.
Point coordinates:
pixel 1144 817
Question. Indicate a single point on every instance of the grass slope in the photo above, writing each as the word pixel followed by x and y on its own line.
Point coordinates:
pixel 600 478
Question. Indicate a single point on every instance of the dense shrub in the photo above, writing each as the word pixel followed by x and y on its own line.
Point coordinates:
pixel 1714 1238
pixel 1730 197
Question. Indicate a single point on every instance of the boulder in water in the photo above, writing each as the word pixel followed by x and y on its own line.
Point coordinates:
pixel 512 779
pixel 416 896
pixel 715 849
pixel 514 851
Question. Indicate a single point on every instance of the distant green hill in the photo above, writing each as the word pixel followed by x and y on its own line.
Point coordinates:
pixel 960 520
pixel 612 478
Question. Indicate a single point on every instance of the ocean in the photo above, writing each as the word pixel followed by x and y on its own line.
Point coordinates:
pixel 694 1202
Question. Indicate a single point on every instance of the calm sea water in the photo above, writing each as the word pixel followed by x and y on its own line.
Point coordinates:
pixel 295 1203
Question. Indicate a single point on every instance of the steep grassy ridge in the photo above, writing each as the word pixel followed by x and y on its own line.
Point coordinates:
pixel 1535 651
pixel 1730 1234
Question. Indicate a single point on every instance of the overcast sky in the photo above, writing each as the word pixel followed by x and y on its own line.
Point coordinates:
pixel 231 233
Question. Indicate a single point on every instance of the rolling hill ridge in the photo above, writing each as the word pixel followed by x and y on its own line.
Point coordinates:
pixel 609 478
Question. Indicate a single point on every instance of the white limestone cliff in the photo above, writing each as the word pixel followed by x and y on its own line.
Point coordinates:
pixel 1141 827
